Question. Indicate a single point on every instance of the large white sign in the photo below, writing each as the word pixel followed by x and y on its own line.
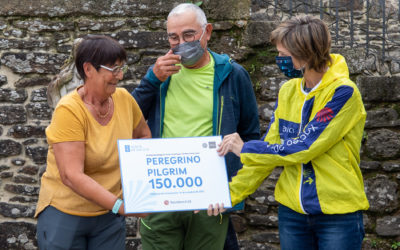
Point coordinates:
pixel 172 174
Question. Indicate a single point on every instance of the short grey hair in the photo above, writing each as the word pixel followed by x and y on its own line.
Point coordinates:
pixel 184 7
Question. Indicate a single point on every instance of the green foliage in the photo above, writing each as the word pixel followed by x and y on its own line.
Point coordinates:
pixel 199 3
pixel 257 86
pixel 396 245
pixel 365 136
pixel 374 243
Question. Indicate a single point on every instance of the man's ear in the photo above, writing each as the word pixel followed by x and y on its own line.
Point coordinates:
pixel 209 29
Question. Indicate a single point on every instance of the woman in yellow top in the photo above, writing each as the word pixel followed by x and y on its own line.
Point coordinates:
pixel 315 134
pixel 80 202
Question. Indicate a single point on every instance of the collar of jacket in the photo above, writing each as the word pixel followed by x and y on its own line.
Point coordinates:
pixel 337 70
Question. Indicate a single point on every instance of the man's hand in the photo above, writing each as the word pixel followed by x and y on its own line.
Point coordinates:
pixel 165 66
pixel 231 143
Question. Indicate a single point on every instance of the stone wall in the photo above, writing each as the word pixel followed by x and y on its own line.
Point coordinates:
pixel 36 37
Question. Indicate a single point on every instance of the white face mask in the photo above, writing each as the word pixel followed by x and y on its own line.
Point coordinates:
pixel 190 52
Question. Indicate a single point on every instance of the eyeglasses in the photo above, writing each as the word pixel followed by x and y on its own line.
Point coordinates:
pixel 187 36
pixel 117 69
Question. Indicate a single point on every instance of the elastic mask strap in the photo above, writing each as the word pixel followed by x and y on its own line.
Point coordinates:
pixel 204 30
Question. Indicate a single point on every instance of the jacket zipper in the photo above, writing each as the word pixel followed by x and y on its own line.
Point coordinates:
pixel 302 165
pixel 161 112
pixel 220 115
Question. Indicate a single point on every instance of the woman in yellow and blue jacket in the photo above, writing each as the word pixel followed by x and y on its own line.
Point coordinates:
pixel 315 134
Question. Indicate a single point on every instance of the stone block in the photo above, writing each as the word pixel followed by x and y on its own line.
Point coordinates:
pixel 78 8
pixel 391 166
pixel 222 25
pixel 370 165
pixel 64 48
pixel 13 96
pixel 133 244
pixel 42 169
pixel 269 88
pixel 140 71
pixel 388 226
pixel 30 142
pixel 356 60
pixel 39 110
pixel 30 170
pixel 229 10
pixel 271 70
pixel 3 24
pixel 266 111
pixel 131 226
pixel 62 37
pixel 266 237
pixel 381 193
pixel 251 245
pixel 4 167
pixel 18 235
pixel 228 44
pixel 39 25
pixel 16 210
pixel 22 189
pixel 37 154
pixel 383 144
pixel 12 115
pixel 142 39
pixel 103 26
pixel 395 67
pixel 379 88
pixel 25 131
pixel 9 148
pixel 18 162
pixel 149 60
pixel 5 175
pixel 32 80
pixel 132 58
pixel 3 80
pixel 158 24
pixel 263 196
pixel 258 33
pixel 383 117
pixel 42 43
pixel 24 179
pixel 39 95
pixel 270 220
pixel 369 222
pixel 253 207
pixel 239 223
pixel 41 63
pixel 138 22
pixel 23 199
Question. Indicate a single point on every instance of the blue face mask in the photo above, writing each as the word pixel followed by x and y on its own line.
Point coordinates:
pixel 285 64
pixel 190 52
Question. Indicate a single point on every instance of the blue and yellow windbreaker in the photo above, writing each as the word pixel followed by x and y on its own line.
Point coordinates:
pixel 316 137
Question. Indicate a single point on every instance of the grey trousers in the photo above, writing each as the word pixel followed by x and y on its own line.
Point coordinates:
pixel 58 230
